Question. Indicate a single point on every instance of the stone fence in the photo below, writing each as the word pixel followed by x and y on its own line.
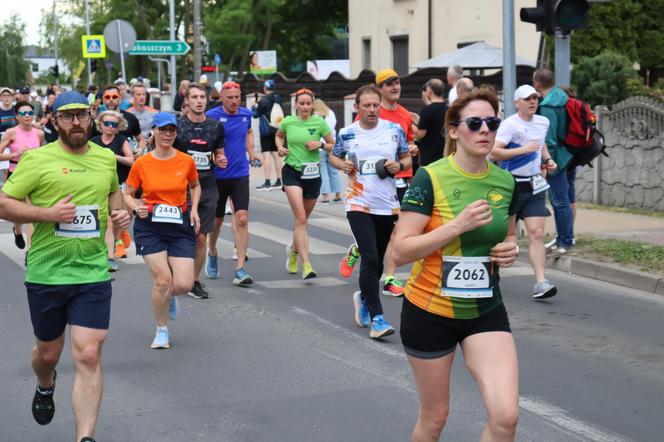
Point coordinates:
pixel 632 175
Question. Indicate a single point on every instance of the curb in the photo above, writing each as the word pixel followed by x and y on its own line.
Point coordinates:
pixel 610 273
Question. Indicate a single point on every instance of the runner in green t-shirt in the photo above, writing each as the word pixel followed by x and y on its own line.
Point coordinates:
pixel 301 173
pixel 71 185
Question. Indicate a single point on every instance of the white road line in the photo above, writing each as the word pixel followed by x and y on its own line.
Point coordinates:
pixel 326 281
pixel 283 236
pixel 335 224
pixel 560 419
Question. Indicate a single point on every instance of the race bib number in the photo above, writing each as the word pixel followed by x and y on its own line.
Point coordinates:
pixel 401 183
pixel 202 159
pixel 367 166
pixel 310 171
pixel 84 225
pixel 163 213
pixel 538 184
pixel 467 277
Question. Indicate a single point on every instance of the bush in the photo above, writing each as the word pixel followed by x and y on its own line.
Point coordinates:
pixel 604 79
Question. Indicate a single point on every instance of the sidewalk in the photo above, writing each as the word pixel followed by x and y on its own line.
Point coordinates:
pixel 598 223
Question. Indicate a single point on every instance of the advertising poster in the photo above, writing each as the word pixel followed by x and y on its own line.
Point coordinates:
pixel 321 69
pixel 263 62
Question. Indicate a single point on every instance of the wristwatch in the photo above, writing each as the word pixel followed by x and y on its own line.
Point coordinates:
pixel 134 211
pixel 547 160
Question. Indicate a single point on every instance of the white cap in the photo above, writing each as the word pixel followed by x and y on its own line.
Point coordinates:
pixel 525 91
pixel 217 86
pixel 203 79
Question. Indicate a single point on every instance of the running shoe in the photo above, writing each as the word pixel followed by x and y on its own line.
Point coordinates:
pixel 246 256
pixel 43 407
pixel 120 251
pixel 308 272
pixel 337 201
pixel 113 265
pixel 173 308
pixel 292 266
pixel 392 287
pixel 18 239
pixel 551 244
pixel 380 327
pixel 265 187
pixel 87 439
pixel 161 339
pixel 348 262
pixel 198 291
pixel 277 184
pixel 557 252
pixel 211 267
pixel 324 202
pixel 544 290
pixel 362 317
pixel 125 237
pixel 242 278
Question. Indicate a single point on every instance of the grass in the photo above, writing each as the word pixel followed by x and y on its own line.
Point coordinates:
pixel 647 257
pixel 629 210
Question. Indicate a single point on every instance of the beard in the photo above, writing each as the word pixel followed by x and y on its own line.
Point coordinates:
pixel 76 137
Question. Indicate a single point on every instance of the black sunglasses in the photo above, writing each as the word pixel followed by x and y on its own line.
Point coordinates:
pixel 475 123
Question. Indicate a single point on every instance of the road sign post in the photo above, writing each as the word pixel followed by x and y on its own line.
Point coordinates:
pixel 120 36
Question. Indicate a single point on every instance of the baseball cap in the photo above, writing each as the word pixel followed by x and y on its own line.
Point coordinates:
pixel 385 75
pixel 269 85
pixel 6 89
pixel 24 90
pixel 119 81
pixel 162 119
pixel 203 79
pixel 525 91
pixel 70 100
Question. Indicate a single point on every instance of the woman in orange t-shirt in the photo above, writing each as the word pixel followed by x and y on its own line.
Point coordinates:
pixel 164 230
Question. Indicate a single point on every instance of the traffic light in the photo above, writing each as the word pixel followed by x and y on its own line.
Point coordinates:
pixel 93 65
pixel 550 15
pixel 55 70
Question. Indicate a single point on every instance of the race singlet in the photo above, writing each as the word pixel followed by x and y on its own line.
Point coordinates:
pixel 163 213
pixel 310 171
pixel 467 277
pixel 84 225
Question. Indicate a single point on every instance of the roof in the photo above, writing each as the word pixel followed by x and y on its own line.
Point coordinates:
pixel 33 51
pixel 479 55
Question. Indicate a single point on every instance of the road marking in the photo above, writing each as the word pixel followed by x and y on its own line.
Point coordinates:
pixel 334 224
pixel 560 419
pixel 326 281
pixel 283 236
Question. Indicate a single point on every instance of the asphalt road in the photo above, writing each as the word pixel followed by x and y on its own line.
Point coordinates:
pixel 283 361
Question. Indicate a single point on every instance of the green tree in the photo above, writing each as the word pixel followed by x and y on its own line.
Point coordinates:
pixel 603 79
pixel 13 67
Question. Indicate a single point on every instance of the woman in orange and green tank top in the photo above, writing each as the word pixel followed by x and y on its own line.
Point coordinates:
pixel 457 225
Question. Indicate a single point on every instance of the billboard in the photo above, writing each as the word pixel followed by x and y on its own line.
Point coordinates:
pixel 321 69
pixel 263 62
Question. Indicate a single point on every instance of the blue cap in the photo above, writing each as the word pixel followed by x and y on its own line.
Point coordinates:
pixel 162 119
pixel 269 85
pixel 70 100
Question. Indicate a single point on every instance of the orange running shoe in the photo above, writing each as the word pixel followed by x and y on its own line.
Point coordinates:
pixel 120 251
pixel 348 262
pixel 126 238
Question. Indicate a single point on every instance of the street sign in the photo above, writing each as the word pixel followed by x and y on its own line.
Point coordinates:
pixel 94 46
pixel 159 47
pixel 120 35
pixel 217 59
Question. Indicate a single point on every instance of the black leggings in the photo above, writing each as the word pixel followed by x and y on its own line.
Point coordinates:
pixel 372 235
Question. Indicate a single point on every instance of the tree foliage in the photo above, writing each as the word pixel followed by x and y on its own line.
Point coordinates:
pixel 603 79
pixel 13 67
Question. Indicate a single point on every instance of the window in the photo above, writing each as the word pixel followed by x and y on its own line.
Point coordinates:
pixel 366 53
pixel 35 67
pixel 400 54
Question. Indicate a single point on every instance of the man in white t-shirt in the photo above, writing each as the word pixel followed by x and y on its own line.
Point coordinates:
pixel 371 151
pixel 521 150
pixel 454 74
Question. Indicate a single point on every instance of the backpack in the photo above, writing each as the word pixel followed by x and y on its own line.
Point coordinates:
pixel 582 138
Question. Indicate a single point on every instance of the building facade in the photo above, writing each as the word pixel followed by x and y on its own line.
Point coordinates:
pixel 403 33
pixel 40 61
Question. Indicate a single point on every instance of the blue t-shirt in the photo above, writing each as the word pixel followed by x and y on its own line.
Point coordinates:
pixel 236 127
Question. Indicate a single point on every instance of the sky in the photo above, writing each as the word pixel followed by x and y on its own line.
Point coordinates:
pixel 31 16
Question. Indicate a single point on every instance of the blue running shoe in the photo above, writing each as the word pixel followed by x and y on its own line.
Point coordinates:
pixel 362 317
pixel 380 327
pixel 242 278
pixel 211 267
pixel 161 339
pixel 173 308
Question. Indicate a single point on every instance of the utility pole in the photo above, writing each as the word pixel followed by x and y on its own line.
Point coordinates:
pixel 87 30
pixel 509 58
pixel 55 36
pixel 197 39
pixel 562 57
pixel 174 86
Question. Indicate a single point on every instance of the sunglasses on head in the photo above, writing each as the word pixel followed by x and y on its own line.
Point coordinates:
pixel 111 97
pixel 304 91
pixel 25 113
pixel 231 85
pixel 111 124
pixel 475 123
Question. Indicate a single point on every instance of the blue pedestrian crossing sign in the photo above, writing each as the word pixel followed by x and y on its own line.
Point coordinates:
pixel 94 46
